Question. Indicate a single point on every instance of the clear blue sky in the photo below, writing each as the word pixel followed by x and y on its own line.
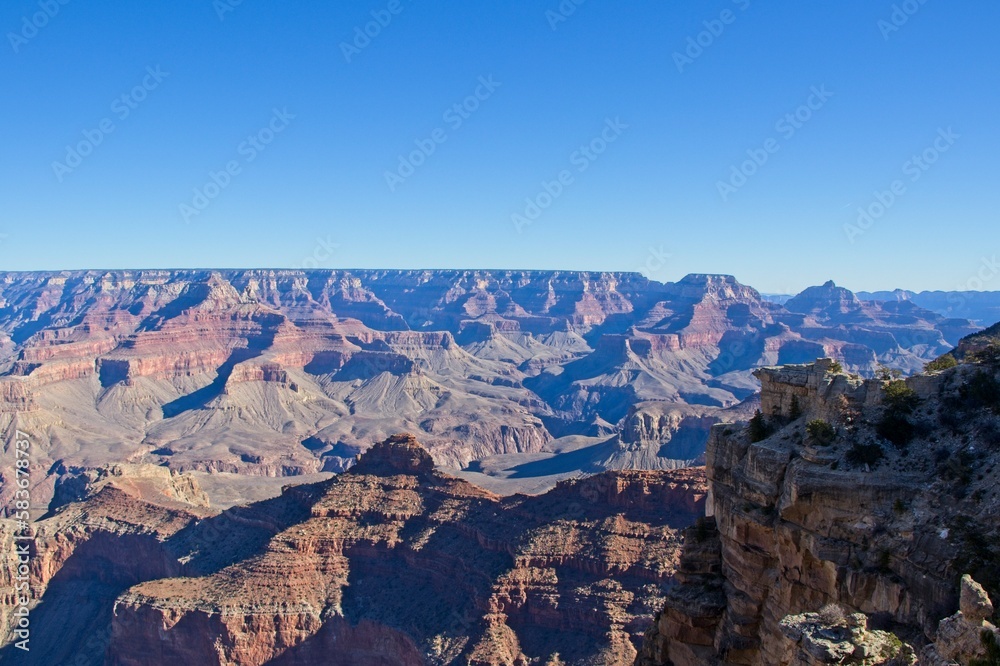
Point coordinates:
pixel 654 189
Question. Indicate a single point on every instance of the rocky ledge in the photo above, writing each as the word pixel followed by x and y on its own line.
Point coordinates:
pixel 872 495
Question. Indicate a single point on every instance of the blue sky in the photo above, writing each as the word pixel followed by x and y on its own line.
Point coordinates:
pixel 612 119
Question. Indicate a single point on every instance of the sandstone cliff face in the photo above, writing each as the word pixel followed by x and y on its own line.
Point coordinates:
pixel 807 517
pixel 498 581
pixel 390 563
pixel 963 637
pixel 81 559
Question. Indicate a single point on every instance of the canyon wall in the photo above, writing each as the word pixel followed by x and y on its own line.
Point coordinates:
pixel 872 496
pixel 391 562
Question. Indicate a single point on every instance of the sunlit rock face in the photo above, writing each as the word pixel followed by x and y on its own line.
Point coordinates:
pixel 830 504
pixel 391 562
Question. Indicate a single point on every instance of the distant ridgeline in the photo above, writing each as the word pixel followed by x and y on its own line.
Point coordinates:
pixel 982 307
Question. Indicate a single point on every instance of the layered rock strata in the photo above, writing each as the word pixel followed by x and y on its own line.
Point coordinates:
pixel 389 563
pixel 182 368
pixel 872 495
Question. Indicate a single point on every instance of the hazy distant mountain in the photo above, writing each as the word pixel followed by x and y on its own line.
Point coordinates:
pixel 982 307
pixel 780 299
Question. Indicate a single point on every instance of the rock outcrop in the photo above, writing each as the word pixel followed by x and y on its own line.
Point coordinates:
pixel 960 638
pixel 147 482
pixel 874 495
pixel 391 562
pixel 830 637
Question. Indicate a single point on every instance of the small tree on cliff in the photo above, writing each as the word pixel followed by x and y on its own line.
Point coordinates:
pixel 821 432
pixel 795 410
pixel 757 428
pixel 941 363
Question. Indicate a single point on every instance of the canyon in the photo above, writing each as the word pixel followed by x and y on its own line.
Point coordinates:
pixel 511 379
pixel 390 562
pixel 828 532
pixel 223 474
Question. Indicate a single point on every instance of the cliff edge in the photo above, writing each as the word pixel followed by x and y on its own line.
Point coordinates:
pixel 873 497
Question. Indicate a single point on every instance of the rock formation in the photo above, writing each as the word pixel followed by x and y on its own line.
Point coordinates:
pixel 872 495
pixel 960 638
pixel 830 637
pixel 982 307
pixel 391 562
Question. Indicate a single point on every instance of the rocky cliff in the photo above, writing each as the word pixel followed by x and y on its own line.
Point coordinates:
pixel 872 496
pixel 389 563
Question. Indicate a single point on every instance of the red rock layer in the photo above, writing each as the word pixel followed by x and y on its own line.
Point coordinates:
pixel 393 563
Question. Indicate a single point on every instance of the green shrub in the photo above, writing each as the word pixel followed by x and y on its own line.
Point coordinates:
pixel 836 368
pixel 900 398
pixel 988 356
pixel 981 392
pixel 821 432
pixel 865 454
pixel 885 374
pixel 941 363
pixel 895 426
